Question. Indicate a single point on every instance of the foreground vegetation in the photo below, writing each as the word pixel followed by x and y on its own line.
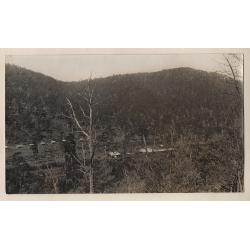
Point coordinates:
pixel 190 167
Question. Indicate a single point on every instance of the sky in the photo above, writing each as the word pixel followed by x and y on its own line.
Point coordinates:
pixel 79 67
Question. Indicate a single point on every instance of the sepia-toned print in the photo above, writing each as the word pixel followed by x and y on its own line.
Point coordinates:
pixel 124 123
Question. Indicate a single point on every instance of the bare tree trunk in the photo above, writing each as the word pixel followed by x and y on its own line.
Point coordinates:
pixel 83 156
pixel 127 180
pixel 154 139
pixel 125 143
pixel 145 144
pixel 172 137
pixel 239 186
pixel 91 152
pixel 91 183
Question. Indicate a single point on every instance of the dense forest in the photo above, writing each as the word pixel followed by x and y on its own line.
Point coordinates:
pixel 175 130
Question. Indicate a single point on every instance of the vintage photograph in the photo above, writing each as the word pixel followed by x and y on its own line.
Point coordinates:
pixel 124 123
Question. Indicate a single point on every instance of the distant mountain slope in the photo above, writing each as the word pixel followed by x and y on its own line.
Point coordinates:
pixel 183 99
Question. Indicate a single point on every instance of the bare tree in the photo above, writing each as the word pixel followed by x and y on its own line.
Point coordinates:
pixel 86 128
pixel 233 67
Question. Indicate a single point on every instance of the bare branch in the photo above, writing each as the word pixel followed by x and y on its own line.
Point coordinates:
pixel 83 171
pixel 92 92
pixel 233 70
pixel 230 66
pixel 85 96
pixel 75 118
pixel 81 164
pixel 70 117
pixel 83 112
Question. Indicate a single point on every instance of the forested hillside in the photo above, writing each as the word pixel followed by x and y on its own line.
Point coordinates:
pixel 174 108
pixel 184 99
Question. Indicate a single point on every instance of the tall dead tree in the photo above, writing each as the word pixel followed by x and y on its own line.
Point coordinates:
pixel 233 67
pixel 85 126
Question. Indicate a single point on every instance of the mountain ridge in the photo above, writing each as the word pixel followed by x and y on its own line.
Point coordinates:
pixel 7 65
pixel 33 100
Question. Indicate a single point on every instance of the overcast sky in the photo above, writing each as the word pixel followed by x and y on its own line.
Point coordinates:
pixel 76 67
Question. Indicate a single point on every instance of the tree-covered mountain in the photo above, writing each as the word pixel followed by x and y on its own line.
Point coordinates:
pixel 180 100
